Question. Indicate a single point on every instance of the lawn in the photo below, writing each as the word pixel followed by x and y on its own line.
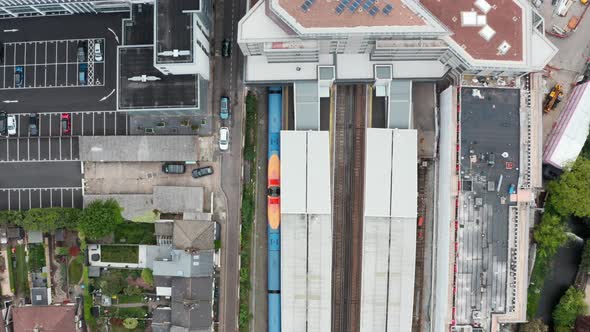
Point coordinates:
pixel 122 299
pixel 135 233
pixel 119 254
pixel 36 257
pixel 135 312
pixel 11 272
pixel 75 271
pixel 22 272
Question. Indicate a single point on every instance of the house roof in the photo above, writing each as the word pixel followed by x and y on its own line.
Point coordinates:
pixel 44 318
pixel 184 264
pixel 39 296
pixel 193 234
pixel 191 303
pixel 164 228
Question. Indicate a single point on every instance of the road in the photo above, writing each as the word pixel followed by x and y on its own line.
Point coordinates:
pixel 227 80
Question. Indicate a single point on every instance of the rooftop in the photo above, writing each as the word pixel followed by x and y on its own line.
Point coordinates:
pixel 142 86
pixel 44 318
pixel 138 148
pixel 326 14
pixel 175 199
pixel 174 28
pixel 193 234
pixel 191 303
pixel 472 22
pixel 182 264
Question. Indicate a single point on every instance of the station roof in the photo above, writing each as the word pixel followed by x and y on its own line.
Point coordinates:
pixel 138 148
pixel 389 229
pixel 161 92
pixel 174 28
pixel 306 231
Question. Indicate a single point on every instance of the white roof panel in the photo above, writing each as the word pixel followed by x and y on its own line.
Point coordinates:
pixel 318 173
pixel 402 256
pixel 378 172
pixel 293 272
pixel 404 178
pixel 293 169
pixel 374 274
pixel 319 274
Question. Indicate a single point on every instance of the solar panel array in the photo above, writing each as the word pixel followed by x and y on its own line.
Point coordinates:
pixel 353 5
pixel 306 5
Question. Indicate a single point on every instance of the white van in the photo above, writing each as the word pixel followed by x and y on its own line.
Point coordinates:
pixel 223 138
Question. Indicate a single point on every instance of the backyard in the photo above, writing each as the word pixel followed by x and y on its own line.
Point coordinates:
pixel 36 257
pixel 135 233
pixel 119 254
pixel 75 270
pixel 22 273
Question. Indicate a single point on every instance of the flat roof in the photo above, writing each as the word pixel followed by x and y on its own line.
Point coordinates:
pixel 138 148
pixel 174 28
pixel 404 174
pixel 307 106
pixel 319 273
pixel 322 14
pixel 377 169
pixel 162 92
pixel 176 199
pixel 505 17
pixel 134 205
pixel 490 124
pixel 293 171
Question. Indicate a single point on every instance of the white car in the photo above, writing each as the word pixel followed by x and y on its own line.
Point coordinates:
pixel 11 125
pixel 97 52
pixel 223 138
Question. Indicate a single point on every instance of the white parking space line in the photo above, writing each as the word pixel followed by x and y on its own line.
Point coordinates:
pixel 35 68
pixel 59 148
pixel 9 199
pixel 93 123
pixel 45 67
pixel 29 199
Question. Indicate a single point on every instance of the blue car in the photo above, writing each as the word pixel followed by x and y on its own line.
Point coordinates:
pixel 224 109
pixel 19 76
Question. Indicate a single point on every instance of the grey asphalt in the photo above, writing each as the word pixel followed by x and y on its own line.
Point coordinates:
pixel 40 175
pixel 229 70
pixel 58 28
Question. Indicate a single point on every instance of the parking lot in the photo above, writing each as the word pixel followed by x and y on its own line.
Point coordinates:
pixel 41 184
pixel 81 124
pixel 52 64
pixel 39 149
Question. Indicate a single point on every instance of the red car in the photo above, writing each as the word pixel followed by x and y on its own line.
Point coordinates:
pixel 66 124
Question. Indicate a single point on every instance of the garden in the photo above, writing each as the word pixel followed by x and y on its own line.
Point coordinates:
pixel 119 254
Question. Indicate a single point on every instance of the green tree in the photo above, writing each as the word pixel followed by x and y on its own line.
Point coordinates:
pixel 536 325
pixel 49 219
pixel 11 217
pixel 130 323
pixel 570 194
pixel 132 290
pixel 549 234
pixel 571 305
pixel 585 264
pixel 100 218
pixel 148 276
pixel 111 284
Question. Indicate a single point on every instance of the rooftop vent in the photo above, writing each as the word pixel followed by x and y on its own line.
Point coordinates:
pixel 483 5
pixel 503 48
pixel 487 33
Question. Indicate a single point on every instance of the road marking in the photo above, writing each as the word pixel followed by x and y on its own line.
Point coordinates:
pixel 92 123
pixel 9 200
pixel 104 124
pixel 19 200
pixel 29 199
pixel 62 197
pixel 45 65
pixel 67 62
pixel 59 140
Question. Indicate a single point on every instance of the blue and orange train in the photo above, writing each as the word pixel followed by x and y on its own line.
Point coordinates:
pixel 275 103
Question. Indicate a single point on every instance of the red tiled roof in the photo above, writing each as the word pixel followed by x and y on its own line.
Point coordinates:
pixel 44 318
pixel 505 17
pixel 322 14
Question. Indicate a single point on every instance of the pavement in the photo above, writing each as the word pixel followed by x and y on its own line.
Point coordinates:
pixel 229 70
pixel 569 62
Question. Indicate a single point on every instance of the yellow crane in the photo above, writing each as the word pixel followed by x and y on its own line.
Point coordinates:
pixel 553 98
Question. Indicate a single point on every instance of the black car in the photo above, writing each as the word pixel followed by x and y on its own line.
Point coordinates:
pixel 202 171
pixel 226 48
pixel 173 168
pixel 2 123
pixel 33 128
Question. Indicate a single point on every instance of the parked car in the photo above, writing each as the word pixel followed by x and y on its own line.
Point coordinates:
pixel 223 138
pixel 19 76
pixel 33 128
pixel 82 70
pixel 202 171
pixel 173 168
pixel 224 109
pixel 66 124
pixel 97 52
pixel 2 123
pixel 11 125
pixel 226 48
pixel 81 54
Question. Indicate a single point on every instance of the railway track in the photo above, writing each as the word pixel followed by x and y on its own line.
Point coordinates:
pixel 420 247
pixel 349 127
